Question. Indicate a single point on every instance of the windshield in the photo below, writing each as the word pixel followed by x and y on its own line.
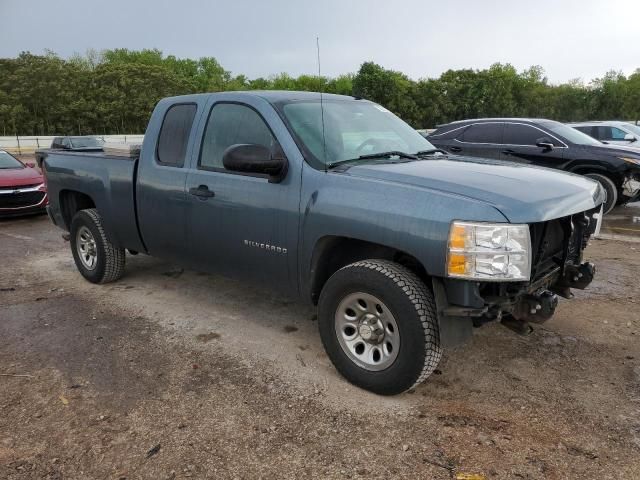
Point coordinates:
pixel 85 142
pixel 571 134
pixel 635 129
pixel 8 161
pixel 351 129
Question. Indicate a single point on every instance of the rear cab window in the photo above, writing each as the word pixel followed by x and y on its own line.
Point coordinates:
pixel 174 134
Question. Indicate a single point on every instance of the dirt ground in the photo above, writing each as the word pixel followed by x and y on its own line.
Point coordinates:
pixel 174 374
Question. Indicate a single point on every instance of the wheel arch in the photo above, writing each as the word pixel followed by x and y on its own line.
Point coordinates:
pixel 332 252
pixel 71 202
pixel 583 169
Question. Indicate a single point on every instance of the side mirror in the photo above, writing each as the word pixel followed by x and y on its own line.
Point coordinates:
pixel 30 164
pixel 251 158
pixel 629 137
pixel 545 143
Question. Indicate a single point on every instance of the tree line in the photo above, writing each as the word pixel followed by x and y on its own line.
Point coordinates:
pixel 114 91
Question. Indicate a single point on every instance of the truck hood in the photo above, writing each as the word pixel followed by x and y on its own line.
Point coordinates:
pixel 523 194
pixel 18 177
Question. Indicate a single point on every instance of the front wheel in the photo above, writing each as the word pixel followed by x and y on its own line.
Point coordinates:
pixel 610 189
pixel 96 258
pixel 379 326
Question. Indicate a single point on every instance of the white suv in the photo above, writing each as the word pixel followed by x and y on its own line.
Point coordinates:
pixel 613 132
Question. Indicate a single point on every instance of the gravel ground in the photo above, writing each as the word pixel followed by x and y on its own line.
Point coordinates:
pixel 169 373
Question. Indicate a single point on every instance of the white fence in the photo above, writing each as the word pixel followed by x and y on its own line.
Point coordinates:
pixel 22 145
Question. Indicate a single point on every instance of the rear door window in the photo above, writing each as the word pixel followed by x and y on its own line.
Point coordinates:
pixel 603 133
pixel 591 131
pixel 483 133
pixel 445 133
pixel 174 134
pixel 519 134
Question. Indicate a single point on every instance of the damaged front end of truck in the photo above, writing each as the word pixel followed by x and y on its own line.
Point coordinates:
pixel 556 267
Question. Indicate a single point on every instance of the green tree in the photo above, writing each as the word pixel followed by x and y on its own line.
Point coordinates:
pixel 631 109
pixel 610 94
pixel 392 89
pixel 115 91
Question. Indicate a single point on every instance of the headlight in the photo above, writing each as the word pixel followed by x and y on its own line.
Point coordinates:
pixel 488 251
pixel 635 161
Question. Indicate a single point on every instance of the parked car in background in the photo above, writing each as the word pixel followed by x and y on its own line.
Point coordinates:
pixel 22 188
pixel 611 132
pixel 546 143
pixel 78 144
pixel 403 249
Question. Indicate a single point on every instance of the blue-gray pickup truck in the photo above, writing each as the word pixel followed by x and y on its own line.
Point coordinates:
pixel 403 248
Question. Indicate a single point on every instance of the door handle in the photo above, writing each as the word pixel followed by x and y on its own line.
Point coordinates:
pixel 455 149
pixel 508 151
pixel 201 191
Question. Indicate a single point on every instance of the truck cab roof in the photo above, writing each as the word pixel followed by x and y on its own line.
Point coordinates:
pixel 272 96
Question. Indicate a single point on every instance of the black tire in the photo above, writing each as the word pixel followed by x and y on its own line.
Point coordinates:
pixel 109 260
pixel 413 307
pixel 609 187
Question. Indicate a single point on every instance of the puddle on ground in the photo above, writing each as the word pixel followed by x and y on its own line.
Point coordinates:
pixel 622 223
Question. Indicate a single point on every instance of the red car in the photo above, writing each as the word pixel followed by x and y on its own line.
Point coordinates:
pixel 22 188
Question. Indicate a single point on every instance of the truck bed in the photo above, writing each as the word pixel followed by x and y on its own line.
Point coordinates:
pixel 109 180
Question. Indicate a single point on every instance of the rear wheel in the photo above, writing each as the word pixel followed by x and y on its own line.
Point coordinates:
pixel 96 258
pixel 610 189
pixel 379 326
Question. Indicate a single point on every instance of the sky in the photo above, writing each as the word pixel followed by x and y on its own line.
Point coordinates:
pixel 569 38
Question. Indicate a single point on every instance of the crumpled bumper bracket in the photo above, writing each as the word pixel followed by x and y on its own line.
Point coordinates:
pixel 574 276
pixel 631 187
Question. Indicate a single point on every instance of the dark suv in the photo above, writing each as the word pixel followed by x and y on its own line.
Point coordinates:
pixel 548 144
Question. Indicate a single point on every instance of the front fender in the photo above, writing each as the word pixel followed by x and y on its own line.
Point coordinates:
pixel 411 219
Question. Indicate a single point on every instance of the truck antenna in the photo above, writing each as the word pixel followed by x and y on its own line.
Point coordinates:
pixel 324 143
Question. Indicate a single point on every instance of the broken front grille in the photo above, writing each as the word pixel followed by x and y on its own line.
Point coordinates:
pixel 547 244
pixel 557 242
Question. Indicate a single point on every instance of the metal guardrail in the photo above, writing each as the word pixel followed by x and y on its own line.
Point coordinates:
pixel 24 145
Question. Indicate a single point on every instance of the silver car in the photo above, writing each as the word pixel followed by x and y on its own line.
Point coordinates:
pixel 613 132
